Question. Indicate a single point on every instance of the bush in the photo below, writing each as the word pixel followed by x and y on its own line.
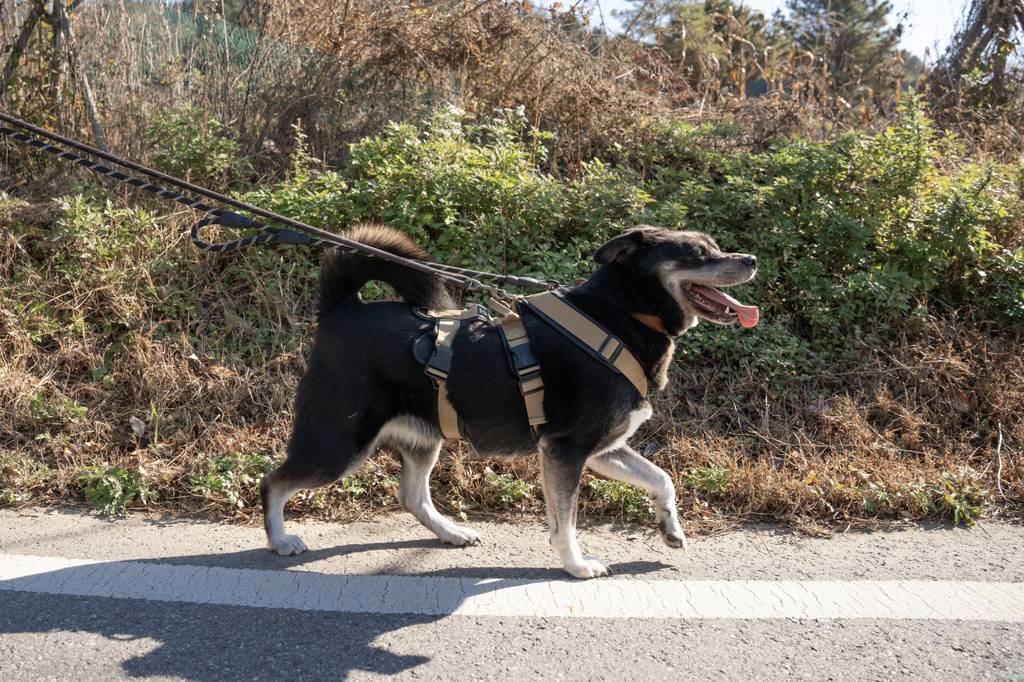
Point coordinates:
pixel 472 191
pixel 871 246
pixel 191 144
pixel 862 239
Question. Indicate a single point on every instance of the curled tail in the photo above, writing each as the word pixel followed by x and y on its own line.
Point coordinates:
pixel 344 274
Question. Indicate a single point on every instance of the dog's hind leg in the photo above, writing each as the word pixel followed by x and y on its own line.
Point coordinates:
pixel 303 470
pixel 276 489
pixel 560 478
pixel 419 449
pixel 625 465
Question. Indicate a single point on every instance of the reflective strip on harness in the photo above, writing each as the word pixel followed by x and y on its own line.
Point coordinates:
pixel 566 318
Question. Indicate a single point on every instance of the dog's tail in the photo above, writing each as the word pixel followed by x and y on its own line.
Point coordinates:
pixel 344 274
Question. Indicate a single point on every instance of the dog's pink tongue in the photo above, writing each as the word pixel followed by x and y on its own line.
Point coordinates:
pixel 748 315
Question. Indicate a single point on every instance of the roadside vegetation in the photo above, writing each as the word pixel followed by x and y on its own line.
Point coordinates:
pixel 884 382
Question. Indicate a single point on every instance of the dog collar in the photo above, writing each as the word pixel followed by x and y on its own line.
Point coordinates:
pixel 651 321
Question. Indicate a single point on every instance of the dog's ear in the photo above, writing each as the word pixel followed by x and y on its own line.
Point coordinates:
pixel 626 244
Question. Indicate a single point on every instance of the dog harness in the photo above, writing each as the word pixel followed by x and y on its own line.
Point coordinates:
pixel 434 351
pixel 447 324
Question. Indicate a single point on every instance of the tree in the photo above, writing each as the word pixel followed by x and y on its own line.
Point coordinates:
pixel 854 40
pixel 715 42
pixel 982 58
pixel 63 56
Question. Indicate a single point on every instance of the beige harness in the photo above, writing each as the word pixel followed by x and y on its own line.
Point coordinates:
pixel 568 319
pixel 449 322
pixel 564 317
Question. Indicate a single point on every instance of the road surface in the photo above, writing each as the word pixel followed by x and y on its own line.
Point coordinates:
pixel 165 598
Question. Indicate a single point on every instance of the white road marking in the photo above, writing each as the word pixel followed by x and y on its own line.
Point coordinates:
pixel 433 595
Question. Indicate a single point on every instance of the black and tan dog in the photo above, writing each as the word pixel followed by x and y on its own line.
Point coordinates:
pixel 363 388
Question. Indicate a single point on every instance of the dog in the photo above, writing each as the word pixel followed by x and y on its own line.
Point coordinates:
pixel 364 389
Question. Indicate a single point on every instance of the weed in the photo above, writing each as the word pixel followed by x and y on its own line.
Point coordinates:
pixel 623 500
pixel 60 410
pixel 708 480
pixel 20 477
pixel 233 479
pixel 509 489
pixel 377 489
pixel 111 489
pixel 959 497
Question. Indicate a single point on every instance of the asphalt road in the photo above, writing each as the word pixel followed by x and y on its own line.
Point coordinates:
pixel 158 597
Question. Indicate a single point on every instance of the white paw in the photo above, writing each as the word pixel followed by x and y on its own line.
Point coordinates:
pixel 587 567
pixel 287 545
pixel 675 539
pixel 460 536
pixel 672 534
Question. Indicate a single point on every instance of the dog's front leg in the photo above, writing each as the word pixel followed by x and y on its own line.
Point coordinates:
pixel 560 477
pixel 625 465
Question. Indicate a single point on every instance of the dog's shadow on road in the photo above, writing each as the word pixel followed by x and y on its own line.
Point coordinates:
pixel 217 642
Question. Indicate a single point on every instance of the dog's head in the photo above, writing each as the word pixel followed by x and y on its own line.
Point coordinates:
pixel 689 267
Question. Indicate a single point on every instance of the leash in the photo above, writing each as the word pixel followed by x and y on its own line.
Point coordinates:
pixel 300 233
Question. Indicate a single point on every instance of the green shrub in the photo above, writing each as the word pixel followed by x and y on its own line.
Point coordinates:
pixel 193 145
pixel 859 238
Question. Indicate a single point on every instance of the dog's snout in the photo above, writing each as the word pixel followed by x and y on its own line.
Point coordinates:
pixel 749 261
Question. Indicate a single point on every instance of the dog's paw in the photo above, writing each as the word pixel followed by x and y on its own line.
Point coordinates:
pixel 460 536
pixel 287 545
pixel 675 539
pixel 588 567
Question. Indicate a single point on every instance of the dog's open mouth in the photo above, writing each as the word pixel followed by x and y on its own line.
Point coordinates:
pixel 717 306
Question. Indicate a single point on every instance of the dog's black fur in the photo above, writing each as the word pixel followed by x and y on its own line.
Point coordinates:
pixel 362 373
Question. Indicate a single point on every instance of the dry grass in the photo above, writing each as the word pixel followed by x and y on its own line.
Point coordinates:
pixel 345 69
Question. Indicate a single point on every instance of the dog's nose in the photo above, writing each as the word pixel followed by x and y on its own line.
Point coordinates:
pixel 749 261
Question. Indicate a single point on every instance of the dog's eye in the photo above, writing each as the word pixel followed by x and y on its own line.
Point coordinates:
pixel 699 252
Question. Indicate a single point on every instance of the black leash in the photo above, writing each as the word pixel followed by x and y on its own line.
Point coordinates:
pixel 302 234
